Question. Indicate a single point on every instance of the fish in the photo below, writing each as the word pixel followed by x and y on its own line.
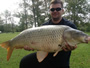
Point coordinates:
pixel 46 39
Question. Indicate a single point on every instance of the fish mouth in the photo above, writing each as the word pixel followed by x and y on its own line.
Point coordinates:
pixel 87 39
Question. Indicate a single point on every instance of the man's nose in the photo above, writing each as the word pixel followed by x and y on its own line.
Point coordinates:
pixel 55 11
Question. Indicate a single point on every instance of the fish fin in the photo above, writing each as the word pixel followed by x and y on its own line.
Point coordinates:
pixel 8 47
pixel 5 44
pixel 89 39
pixel 59 49
pixel 41 55
pixel 9 50
pixel 55 53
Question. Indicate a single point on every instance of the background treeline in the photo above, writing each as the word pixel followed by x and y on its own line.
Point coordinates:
pixel 32 13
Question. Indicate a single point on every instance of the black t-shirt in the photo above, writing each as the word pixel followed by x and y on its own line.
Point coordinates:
pixel 62 58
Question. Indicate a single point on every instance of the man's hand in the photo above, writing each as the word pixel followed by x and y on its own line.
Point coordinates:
pixel 28 48
pixel 69 48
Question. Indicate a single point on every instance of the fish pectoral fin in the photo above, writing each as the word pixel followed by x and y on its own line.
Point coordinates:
pixel 41 55
pixel 59 49
pixel 55 53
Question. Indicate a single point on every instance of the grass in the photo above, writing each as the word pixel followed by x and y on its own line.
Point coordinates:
pixel 80 58
pixel 17 55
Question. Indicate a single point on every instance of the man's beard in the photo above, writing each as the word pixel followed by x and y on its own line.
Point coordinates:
pixel 56 19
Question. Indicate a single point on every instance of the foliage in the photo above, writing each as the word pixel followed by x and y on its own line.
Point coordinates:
pixel 77 11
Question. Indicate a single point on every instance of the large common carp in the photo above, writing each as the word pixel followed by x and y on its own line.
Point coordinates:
pixel 46 39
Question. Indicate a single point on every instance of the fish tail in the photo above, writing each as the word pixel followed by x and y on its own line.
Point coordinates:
pixel 9 48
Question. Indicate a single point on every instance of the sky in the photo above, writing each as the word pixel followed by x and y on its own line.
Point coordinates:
pixel 10 5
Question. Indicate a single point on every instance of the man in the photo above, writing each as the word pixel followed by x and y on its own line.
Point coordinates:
pixel 62 58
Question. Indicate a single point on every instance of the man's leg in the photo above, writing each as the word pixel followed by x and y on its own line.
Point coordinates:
pixel 30 61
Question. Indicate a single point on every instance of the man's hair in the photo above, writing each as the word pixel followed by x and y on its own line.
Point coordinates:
pixel 57 2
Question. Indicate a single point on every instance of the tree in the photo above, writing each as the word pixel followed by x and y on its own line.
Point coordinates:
pixel 1 24
pixel 6 17
pixel 1 21
pixel 7 22
pixel 33 12
pixel 76 11
pixel 24 5
pixel 40 11
pixel 11 19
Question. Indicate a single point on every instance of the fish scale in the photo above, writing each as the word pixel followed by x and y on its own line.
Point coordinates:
pixel 43 35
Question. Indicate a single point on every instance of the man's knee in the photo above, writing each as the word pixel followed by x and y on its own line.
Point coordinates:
pixel 22 64
pixel 28 60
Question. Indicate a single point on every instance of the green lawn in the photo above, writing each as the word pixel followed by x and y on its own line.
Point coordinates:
pixel 80 57
pixel 17 55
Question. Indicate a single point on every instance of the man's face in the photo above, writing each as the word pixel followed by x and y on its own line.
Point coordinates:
pixel 55 11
